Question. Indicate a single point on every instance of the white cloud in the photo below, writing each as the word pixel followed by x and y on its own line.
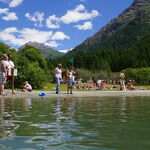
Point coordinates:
pixel 10 16
pixel 6 15
pixel 15 3
pixel 50 22
pixel 53 44
pixel 10 30
pixel 16 37
pixel 31 18
pixel 79 8
pixel 3 10
pixel 78 14
pixel 59 36
pixel 11 38
pixel 35 35
pixel 36 17
pixel 72 16
pixel 86 26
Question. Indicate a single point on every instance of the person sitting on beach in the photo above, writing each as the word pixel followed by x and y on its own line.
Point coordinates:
pixel 130 86
pixel 70 80
pixel 27 87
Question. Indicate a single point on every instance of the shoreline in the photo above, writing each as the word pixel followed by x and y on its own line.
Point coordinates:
pixel 76 94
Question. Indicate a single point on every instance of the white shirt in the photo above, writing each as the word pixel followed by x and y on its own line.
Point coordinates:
pixel 28 86
pixel 10 64
pixel 70 74
pixel 57 73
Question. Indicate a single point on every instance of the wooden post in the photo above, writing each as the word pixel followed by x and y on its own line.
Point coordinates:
pixel 12 82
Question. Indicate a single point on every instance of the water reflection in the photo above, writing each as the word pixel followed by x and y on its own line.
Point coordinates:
pixel 43 99
pixel 7 126
pixel 65 123
pixel 27 103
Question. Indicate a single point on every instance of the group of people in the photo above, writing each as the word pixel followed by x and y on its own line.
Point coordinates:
pixel 70 80
pixel 69 76
pixel 129 86
pixel 7 72
pixel 7 67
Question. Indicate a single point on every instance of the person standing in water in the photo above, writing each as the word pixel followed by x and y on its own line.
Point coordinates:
pixel 58 77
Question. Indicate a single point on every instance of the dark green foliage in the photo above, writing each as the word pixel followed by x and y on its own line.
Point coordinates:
pixel 31 67
pixel 33 55
pixel 5 49
pixel 140 75
pixel 33 73
pixel 111 59
pixel 86 75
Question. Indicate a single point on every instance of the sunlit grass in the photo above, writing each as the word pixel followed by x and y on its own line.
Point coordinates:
pixel 63 87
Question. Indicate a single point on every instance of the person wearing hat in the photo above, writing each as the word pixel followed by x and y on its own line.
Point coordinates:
pixel 3 73
pixel 58 77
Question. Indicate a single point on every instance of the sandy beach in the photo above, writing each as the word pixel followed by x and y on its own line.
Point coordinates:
pixel 63 94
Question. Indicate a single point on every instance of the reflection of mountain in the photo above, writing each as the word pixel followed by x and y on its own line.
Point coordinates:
pixel 46 51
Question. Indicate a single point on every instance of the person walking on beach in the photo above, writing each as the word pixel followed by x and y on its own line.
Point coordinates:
pixel 70 80
pixel 58 77
pixel 10 71
pixel 3 73
pixel 122 82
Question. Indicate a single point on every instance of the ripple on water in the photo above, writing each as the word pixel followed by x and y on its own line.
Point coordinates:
pixel 91 124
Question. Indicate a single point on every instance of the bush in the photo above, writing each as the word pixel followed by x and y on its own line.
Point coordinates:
pixel 140 75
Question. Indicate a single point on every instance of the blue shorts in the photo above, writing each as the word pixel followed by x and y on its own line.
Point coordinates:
pixel 2 78
pixel 70 82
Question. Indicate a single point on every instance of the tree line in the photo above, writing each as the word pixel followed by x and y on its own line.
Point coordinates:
pixel 96 64
pixel 30 64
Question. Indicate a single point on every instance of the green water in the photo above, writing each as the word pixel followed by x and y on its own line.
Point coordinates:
pixel 110 123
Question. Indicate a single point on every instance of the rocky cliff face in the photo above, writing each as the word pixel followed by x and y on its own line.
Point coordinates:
pixel 46 51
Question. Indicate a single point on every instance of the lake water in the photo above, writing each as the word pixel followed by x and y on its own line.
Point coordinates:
pixel 105 123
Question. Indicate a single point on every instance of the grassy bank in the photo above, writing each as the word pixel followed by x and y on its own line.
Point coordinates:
pixel 52 87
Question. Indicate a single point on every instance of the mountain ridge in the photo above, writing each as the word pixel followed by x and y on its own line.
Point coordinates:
pixel 138 14
pixel 46 51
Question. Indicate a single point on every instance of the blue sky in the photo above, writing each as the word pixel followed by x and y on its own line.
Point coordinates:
pixel 61 24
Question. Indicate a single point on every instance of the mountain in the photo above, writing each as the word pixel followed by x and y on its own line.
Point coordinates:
pixel 121 32
pixel 46 51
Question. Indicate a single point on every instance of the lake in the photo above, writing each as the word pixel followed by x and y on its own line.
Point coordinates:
pixel 105 123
